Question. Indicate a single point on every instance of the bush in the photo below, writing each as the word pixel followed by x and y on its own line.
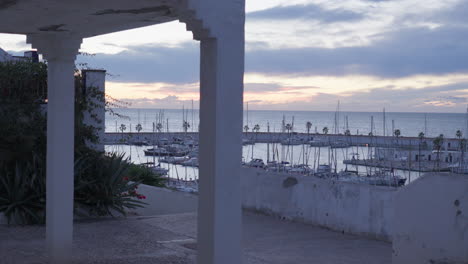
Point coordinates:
pixel 145 175
pixel 22 191
pixel 102 185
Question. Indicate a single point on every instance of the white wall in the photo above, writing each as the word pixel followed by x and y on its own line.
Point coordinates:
pixel 431 221
pixel 352 208
pixel 5 56
pixel 96 79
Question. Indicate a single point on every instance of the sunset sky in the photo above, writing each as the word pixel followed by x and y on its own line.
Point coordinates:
pixel 404 55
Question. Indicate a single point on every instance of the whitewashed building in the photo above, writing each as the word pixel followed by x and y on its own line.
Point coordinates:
pixel 4 56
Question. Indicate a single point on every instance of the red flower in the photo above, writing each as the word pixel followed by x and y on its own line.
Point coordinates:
pixel 125 178
pixel 140 196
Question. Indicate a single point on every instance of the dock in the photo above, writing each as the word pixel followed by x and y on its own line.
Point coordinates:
pixel 451 144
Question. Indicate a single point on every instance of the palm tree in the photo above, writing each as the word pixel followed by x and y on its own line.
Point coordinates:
pixel 308 127
pixel 159 127
pixel 138 128
pixel 347 132
pixel 246 128
pixel 325 130
pixel 256 129
pixel 371 134
pixel 288 127
pixel 186 126
pixel 421 137
pixel 438 143
pixel 122 128
pixel 397 132
pixel 462 159
pixel 459 134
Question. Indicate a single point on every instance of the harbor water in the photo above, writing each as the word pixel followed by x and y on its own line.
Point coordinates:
pixel 292 154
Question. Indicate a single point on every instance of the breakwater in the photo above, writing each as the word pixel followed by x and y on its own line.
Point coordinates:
pixel 265 137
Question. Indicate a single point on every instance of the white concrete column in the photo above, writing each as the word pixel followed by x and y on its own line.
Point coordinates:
pixel 60 52
pixel 219 212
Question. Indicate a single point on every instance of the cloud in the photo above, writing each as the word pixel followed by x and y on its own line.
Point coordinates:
pixel 444 98
pixel 400 53
pixel 457 15
pixel 261 87
pixel 169 102
pixel 304 12
pixel 446 101
pixel 188 88
pixel 147 63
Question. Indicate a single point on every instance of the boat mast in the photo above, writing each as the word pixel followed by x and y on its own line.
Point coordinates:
pixel 347 124
pixel 154 146
pixel 130 145
pixel 425 124
pixel 466 132
pixel 384 128
pixel 370 151
pixel 268 143
pixel 247 113
pixel 192 116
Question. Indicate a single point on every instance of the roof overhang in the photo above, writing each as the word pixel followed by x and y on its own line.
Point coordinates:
pixel 85 18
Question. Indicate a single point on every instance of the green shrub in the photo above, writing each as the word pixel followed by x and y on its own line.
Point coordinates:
pixel 22 192
pixel 102 186
pixel 145 175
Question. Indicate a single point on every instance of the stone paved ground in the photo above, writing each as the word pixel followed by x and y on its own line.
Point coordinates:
pixel 172 239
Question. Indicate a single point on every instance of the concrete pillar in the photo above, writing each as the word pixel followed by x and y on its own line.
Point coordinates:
pixel 60 52
pixel 219 211
pixel 94 90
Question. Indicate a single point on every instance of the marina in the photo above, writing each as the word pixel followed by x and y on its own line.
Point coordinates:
pixel 346 146
pixel 375 160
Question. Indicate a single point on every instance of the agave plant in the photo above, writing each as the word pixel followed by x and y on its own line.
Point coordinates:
pixel 22 192
pixel 145 175
pixel 102 186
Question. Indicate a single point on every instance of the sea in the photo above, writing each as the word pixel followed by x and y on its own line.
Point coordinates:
pixel 358 123
pixel 409 124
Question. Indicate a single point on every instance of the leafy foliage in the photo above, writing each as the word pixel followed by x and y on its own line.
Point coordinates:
pixel 101 181
pixel 102 185
pixel 23 81
pixel 22 191
pixel 145 175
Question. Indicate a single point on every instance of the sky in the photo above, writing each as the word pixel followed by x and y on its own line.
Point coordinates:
pixel 404 55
